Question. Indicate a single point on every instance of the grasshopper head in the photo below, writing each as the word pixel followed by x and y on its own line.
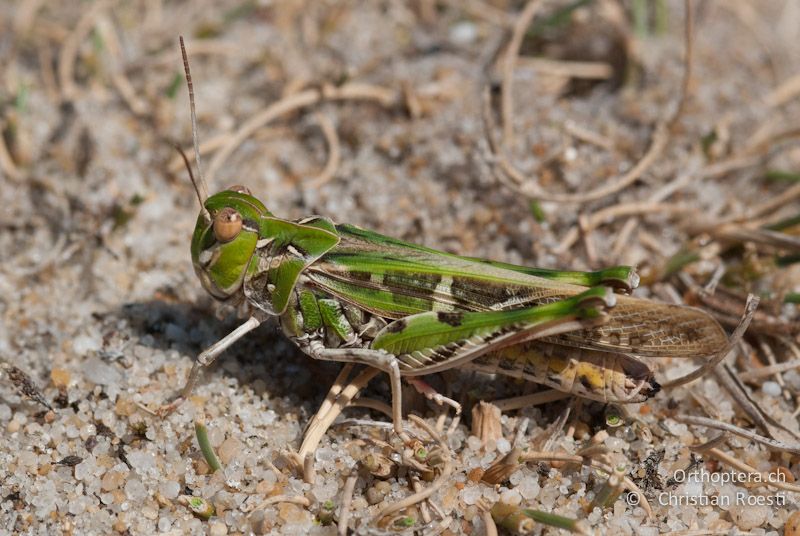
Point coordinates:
pixel 225 238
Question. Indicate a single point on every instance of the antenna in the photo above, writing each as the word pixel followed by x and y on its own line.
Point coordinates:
pixel 199 184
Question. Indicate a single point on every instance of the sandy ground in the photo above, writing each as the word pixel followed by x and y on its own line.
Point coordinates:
pixel 99 303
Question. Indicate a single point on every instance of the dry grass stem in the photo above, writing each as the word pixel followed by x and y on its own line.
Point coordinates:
pixel 522 185
pixel 762 419
pixel 741 432
pixel 483 11
pixel 788 196
pixel 334 152
pixel 591 70
pixel 587 136
pixel 347 499
pixel 295 102
pixel 69 50
pixel 486 422
pixel 530 188
pixel 275 499
pixel 423 506
pixel 7 165
pixel 766 350
pixel 788 90
pixel 309 473
pixel 105 28
pixel 764 478
pixel 440 480
pixel 609 214
pixel 509 64
pixel 371 403
pixel 757 374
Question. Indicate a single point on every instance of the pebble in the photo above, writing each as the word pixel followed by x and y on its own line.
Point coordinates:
pixel 111 480
pixel 792 527
pixel 60 377
pixel 101 373
pixel 230 449
pixel 511 496
pixel 13 426
pixel 164 524
pixel 82 344
pixel 142 461
pixel 771 389
pixel 378 492
pixel 291 513
pixel 149 513
pixel 471 494
pixel 748 517
pixel 473 443
pixel 169 489
pixel 135 490
pixel 217 529
pixel 503 445
pixel 463 33
pixel 529 488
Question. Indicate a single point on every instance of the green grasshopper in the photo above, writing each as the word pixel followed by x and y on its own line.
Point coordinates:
pixel 343 293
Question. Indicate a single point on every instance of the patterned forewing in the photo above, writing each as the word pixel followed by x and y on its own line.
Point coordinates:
pixel 393 279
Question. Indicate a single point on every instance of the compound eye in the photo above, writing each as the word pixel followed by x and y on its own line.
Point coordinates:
pixel 227 224
pixel 238 188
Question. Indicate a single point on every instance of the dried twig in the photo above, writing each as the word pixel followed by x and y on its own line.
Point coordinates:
pixel 773 444
pixel 294 102
pixel 7 165
pixel 126 90
pixel 774 203
pixel 529 188
pixel 69 51
pixel 765 479
pixel 309 472
pixel 509 63
pixel 587 136
pixel 334 152
pixel 786 91
pixel 762 419
pixel 608 214
pixel 293 499
pixel 371 403
pixel 759 373
pixel 591 70
pixel 440 481
pixel 347 499
pixel 483 11
pixel 583 460
pixel 522 185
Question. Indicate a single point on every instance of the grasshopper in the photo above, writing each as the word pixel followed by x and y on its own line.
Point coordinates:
pixel 343 293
